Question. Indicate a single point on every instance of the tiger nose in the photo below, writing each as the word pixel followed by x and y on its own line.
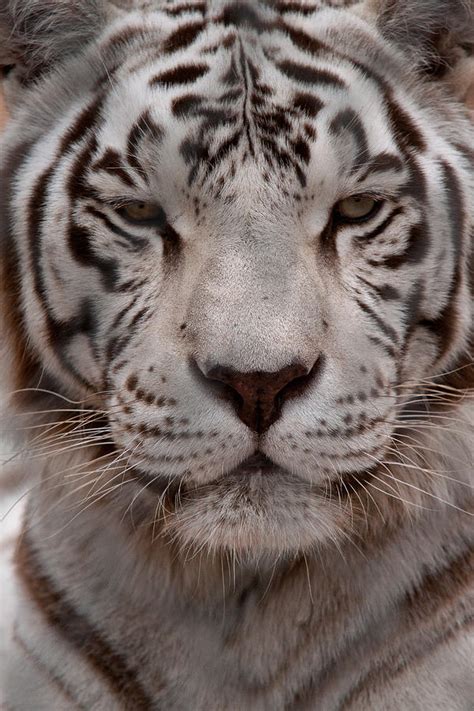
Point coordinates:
pixel 258 397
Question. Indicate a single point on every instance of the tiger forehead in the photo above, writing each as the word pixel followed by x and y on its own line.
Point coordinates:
pixel 229 80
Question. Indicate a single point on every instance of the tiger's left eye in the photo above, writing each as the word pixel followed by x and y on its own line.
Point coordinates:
pixel 357 208
pixel 141 212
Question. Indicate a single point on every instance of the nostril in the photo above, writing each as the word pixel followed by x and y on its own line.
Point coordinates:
pixel 298 385
pixel 258 397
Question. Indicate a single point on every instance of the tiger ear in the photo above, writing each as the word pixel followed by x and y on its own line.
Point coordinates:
pixel 435 34
pixel 37 34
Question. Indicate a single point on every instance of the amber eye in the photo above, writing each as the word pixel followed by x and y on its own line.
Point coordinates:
pixel 141 212
pixel 357 208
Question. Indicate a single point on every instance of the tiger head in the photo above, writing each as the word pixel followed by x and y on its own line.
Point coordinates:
pixel 242 231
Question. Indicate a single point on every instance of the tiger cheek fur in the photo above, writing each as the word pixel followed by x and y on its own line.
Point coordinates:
pixel 258 375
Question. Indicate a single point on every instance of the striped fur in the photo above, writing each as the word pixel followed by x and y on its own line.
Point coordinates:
pixel 183 547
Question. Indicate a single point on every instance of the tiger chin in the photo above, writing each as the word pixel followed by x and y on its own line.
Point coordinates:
pixel 236 306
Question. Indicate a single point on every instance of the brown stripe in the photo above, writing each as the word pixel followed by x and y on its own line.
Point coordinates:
pixel 79 631
pixel 46 671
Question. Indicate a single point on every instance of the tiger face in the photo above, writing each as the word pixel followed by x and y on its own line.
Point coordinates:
pixel 243 230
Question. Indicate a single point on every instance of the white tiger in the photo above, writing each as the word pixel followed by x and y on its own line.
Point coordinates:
pixel 237 328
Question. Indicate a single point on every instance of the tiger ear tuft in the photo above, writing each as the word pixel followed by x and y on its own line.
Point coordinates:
pixel 436 34
pixel 37 34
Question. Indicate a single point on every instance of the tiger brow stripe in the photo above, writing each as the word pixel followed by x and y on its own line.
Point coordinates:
pixel 183 37
pixel 381 163
pixel 182 74
pixel 112 162
pixel 301 39
pixel 310 75
pixel 79 631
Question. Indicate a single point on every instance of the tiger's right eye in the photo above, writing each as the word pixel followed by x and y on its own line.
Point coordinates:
pixel 141 212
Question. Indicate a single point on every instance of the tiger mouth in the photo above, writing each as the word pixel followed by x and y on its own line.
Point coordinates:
pixel 257 463
pixel 249 470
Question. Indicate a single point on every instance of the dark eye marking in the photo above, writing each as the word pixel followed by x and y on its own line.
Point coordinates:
pixel 382 227
pixel 138 242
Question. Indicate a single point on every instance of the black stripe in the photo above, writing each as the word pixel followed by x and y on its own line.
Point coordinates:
pixel 310 75
pixel 117 344
pixel 186 105
pixel 59 332
pixel 414 252
pixel 137 243
pixel 380 228
pixel 302 40
pixel 384 327
pixel 183 37
pixel 308 104
pixel 445 326
pixel 81 247
pixel 381 163
pixel 144 128
pixel 112 162
pixel 386 292
pixel 406 131
pixel 182 74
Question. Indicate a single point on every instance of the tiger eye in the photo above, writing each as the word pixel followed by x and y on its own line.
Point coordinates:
pixel 357 207
pixel 141 211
